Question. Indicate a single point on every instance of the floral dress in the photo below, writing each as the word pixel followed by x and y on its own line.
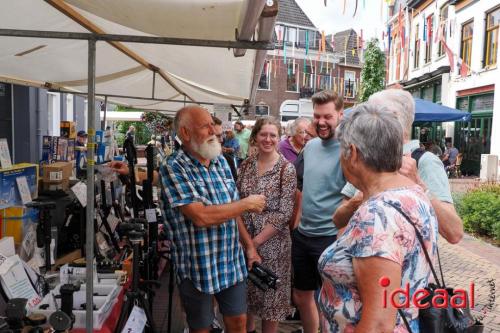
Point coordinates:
pixel 278 185
pixel 377 229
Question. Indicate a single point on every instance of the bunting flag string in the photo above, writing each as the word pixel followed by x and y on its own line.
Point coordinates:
pixel 429 29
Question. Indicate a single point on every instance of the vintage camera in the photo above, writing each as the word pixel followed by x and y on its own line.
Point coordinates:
pixel 262 277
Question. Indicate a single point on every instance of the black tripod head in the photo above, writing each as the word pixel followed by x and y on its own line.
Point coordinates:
pixel 15 312
pixel 67 290
pixel 134 229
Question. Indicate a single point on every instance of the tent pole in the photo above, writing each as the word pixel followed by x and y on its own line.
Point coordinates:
pixel 225 44
pixel 153 90
pixel 103 126
pixel 90 188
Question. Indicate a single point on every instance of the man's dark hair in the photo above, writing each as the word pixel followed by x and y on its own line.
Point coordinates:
pixel 216 120
pixel 327 96
pixel 238 123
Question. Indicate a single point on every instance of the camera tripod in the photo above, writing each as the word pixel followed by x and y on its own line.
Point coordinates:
pixel 135 295
pixel 43 232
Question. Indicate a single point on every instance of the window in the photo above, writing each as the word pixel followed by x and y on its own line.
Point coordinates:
pixel 302 38
pixel 69 107
pixel 416 59
pixel 279 34
pixel 291 77
pixel 491 45
pixel 291 35
pixel 349 84
pixel 466 45
pixel 261 110
pixel 324 79
pixel 265 77
pixel 54 114
pixel 307 81
pixel 443 19
pixel 313 39
pixel 428 44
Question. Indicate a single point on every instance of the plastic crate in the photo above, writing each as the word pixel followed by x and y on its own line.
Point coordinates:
pixel 106 299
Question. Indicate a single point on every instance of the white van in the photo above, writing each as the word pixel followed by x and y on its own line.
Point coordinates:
pixel 293 109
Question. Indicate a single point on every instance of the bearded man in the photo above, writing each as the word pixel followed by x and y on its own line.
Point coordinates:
pixel 323 182
pixel 201 205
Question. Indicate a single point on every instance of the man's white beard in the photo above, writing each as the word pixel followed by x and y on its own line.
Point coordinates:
pixel 208 150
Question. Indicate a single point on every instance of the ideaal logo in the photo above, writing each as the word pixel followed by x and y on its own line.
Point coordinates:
pixel 421 297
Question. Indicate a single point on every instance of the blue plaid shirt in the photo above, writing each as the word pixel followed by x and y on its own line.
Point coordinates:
pixel 211 257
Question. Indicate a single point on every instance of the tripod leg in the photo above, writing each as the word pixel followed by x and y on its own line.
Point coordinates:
pixel 149 316
pixel 170 296
pixel 124 314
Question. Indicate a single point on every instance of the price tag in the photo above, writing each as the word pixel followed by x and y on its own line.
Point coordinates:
pixel 136 321
pixel 24 190
pixel 5 161
pixel 80 191
pixel 113 222
pixel 55 175
pixel 151 215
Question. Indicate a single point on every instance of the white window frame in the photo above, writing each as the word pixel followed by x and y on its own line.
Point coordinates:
pixel 259 106
pixel 354 83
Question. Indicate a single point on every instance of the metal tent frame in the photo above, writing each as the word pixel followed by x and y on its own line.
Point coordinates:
pixel 267 12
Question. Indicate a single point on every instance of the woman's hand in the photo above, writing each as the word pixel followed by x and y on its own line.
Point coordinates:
pixel 252 256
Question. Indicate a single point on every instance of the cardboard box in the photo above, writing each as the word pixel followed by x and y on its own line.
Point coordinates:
pixel 9 193
pixel 13 220
pixel 57 172
pixel 68 129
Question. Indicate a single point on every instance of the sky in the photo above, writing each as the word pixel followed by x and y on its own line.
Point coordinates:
pixel 332 20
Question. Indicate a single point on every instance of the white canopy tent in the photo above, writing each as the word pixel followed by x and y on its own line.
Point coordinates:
pixel 148 54
pixel 201 74
pixel 122 116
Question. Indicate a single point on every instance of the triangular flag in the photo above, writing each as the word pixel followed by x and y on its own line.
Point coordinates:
pixel 464 68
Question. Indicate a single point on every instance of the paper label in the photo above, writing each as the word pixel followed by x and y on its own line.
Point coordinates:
pixel 5 161
pixel 15 281
pixel 113 221
pixel 80 191
pixel 151 215
pixel 136 321
pixel 55 175
pixel 24 190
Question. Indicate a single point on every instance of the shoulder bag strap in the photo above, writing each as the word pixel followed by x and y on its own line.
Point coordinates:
pixel 420 239
pixel 407 324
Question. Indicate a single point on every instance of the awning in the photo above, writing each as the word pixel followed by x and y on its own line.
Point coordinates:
pixel 152 72
pixel 122 116
pixel 428 111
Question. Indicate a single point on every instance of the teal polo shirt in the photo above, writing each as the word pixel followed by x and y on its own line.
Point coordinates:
pixel 323 182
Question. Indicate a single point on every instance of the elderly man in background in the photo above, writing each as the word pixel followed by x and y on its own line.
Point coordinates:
pixel 202 206
pixel 291 146
pixel 424 168
pixel 242 134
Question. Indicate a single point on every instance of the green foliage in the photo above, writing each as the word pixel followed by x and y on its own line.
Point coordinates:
pixel 142 133
pixel 156 122
pixel 373 73
pixel 480 211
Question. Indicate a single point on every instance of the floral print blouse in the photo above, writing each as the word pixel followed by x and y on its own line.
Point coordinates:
pixel 377 229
